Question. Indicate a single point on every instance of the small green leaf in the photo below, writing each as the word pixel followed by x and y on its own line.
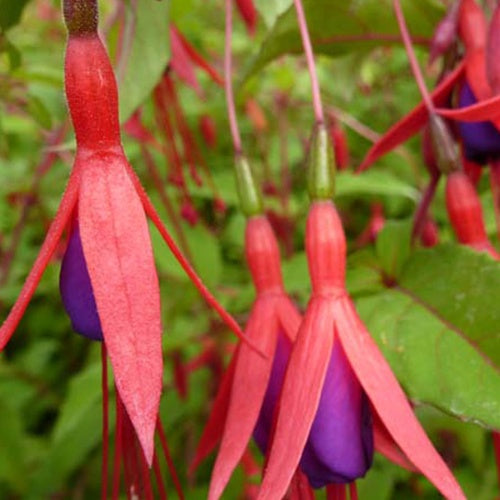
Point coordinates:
pixel 148 54
pixel 10 12
pixel 393 246
pixel 39 112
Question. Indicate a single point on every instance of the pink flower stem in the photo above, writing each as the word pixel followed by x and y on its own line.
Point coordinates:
pixel 105 422
pixel 417 73
pixel 306 42
pixel 162 493
pixel 231 110
pixel 353 491
pixel 168 458
pixel 423 207
pixel 495 190
pixel 118 448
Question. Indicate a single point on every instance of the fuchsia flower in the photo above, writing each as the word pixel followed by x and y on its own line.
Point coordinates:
pixel 247 396
pixel 335 378
pixel 108 282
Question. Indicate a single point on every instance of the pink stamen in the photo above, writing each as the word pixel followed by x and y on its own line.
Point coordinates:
pixel 168 458
pixel 417 73
pixel 105 422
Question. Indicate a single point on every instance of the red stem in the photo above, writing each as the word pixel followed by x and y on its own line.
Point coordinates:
pixel 417 73
pixel 162 493
pixel 353 491
pixel 306 42
pixel 231 110
pixel 423 207
pixel 105 422
pixel 168 458
pixel 118 447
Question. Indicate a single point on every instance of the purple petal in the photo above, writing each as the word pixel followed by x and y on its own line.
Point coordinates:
pixel 340 445
pixel 76 290
pixel 264 423
pixel 481 139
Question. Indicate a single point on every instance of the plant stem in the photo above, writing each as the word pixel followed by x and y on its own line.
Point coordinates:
pixel 231 111
pixel 306 42
pixel 417 73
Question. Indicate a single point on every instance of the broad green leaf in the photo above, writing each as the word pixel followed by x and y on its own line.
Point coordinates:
pixel 10 12
pixel 12 450
pixel 340 27
pixel 439 329
pixel 393 246
pixel 77 432
pixel 270 10
pixel 148 54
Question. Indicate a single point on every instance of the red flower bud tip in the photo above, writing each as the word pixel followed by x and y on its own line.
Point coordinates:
pixel 430 234
pixel 189 213
pixel 445 33
pixel 323 420
pixel 220 206
pixel 374 226
pixel 472 25
pixel 340 147
pixel 493 52
pixel 248 13
pixel 181 62
pixel 466 214
pixel 247 397
pixel 208 131
pixel 256 115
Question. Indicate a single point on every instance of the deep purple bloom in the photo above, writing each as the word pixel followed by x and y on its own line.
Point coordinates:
pixel 339 448
pixel 76 290
pixel 481 139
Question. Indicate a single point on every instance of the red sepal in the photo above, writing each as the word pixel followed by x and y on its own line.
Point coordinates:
pixel 412 122
pixel 119 257
pixel 388 399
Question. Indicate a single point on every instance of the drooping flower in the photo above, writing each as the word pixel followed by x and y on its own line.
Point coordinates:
pixel 247 396
pixel 329 433
pixel 109 243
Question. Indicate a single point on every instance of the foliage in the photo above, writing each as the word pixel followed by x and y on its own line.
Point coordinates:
pixel 433 312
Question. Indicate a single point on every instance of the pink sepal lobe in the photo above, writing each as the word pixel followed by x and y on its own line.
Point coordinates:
pixel 117 249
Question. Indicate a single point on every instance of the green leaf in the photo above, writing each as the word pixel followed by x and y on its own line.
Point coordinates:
pixel 77 432
pixel 340 27
pixel 270 10
pixel 10 12
pixel 439 330
pixel 39 112
pixel 393 246
pixel 373 182
pixel 147 56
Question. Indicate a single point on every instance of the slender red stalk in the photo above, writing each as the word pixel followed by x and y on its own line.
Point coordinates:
pixel 231 111
pixel 160 187
pixel 105 422
pixel 353 491
pixel 168 458
pixel 146 477
pixel 162 492
pixel 496 446
pixel 335 492
pixel 420 217
pixel 118 448
pixel 417 73
pixel 306 42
